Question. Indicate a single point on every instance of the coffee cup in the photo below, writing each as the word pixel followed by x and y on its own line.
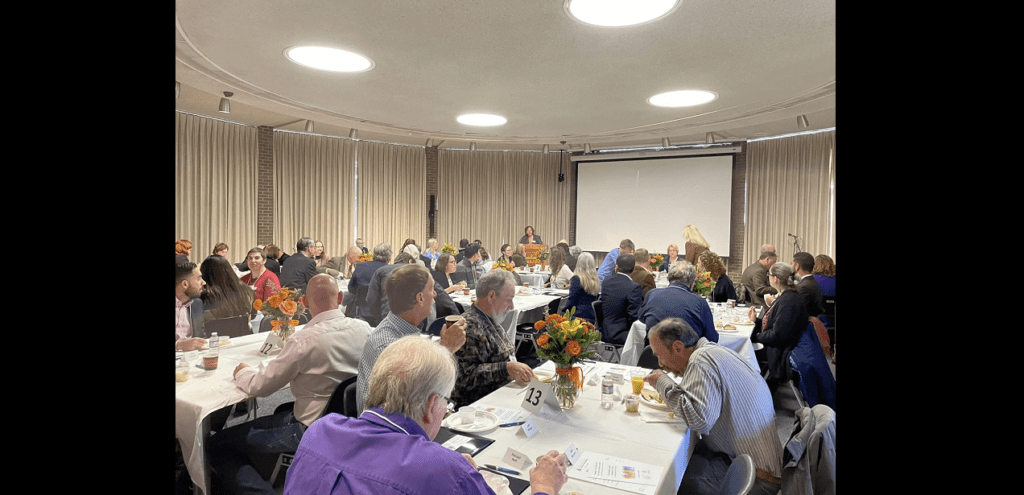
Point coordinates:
pixel 465 291
pixel 450 320
pixel 210 360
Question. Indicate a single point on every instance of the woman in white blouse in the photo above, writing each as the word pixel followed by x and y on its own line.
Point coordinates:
pixel 560 272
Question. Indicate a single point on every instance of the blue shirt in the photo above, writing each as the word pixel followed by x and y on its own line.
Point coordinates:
pixel 676 300
pixel 608 264
pixel 380 454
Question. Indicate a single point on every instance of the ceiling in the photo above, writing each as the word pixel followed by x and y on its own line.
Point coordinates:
pixel 555 79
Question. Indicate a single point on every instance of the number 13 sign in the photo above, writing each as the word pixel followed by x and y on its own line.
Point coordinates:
pixel 539 395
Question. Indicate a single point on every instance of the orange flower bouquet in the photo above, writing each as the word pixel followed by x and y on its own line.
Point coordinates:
pixel 656 261
pixel 565 341
pixel 502 265
pixel 364 257
pixel 703 285
pixel 448 248
pixel 284 308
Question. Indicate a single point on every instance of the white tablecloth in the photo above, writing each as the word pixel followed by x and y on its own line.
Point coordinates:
pixel 590 428
pixel 535 279
pixel 737 340
pixel 206 392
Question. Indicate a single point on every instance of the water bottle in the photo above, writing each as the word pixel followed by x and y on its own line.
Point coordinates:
pixel 214 343
pixel 607 392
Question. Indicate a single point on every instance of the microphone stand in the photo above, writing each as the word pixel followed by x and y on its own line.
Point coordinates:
pixel 796 243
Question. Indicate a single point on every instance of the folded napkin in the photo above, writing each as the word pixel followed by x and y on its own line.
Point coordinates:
pixel 656 416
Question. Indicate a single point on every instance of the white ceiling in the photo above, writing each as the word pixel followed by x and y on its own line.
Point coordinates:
pixel 553 78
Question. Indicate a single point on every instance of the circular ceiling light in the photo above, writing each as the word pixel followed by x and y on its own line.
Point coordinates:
pixel 617 13
pixel 329 59
pixel 686 98
pixel 481 119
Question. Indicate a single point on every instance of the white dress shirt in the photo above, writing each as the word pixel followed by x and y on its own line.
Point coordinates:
pixel 314 360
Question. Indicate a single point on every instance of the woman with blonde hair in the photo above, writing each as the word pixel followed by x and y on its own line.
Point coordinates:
pixel 584 288
pixel 519 256
pixel 671 257
pixel 695 243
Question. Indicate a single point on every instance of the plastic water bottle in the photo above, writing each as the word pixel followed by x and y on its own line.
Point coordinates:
pixel 214 343
pixel 607 392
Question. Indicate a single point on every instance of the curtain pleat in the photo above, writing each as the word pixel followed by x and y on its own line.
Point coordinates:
pixel 314 191
pixel 392 198
pixel 215 185
pixel 493 195
pixel 790 190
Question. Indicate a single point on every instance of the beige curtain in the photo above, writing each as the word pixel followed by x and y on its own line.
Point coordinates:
pixel 791 190
pixel 494 195
pixel 215 185
pixel 314 191
pixel 392 198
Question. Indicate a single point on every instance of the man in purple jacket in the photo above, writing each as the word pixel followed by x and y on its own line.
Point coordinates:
pixel 389 449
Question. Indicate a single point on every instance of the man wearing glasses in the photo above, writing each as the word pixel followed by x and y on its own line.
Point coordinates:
pixel 389 447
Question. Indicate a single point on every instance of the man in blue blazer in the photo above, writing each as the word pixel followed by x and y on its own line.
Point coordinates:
pixel 678 301
pixel 299 267
pixel 620 301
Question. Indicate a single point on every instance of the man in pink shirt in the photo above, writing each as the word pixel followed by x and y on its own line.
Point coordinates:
pixel 189 329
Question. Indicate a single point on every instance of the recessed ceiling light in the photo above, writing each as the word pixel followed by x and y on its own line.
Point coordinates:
pixel 481 119
pixel 686 98
pixel 616 13
pixel 329 59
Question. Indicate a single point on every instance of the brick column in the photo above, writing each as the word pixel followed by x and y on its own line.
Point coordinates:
pixel 265 185
pixel 431 189
pixel 733 258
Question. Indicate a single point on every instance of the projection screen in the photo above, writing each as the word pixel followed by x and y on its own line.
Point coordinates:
pixel 650 200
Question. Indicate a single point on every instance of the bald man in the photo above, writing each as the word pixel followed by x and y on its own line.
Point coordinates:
pixel 314 360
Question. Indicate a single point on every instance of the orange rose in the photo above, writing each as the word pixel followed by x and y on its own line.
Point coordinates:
pixel 542 341
pixel 573 348
pixel 257 305
pixel 293 323
pixel 539 325
pixel 288 307
pixel 275 300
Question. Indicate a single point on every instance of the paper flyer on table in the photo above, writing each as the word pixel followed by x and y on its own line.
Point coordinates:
pixel 616 472
pixel 504 414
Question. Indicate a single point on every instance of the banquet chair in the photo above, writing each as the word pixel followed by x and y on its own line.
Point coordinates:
pixel 336 404
pixel 648 359
pixel 598 314
pixel 436 326
pixel 809 456
pixel 232 326
pixel 739 479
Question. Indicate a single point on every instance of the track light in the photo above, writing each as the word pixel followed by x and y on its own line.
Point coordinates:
pixel 709 138
pixel 309 126
pixel 801 122
pixel 665 143
pixel 353 134
pixel 586 148
pixel 546 149
pixel 225 104
pixel 177 88
pixel 430 143
pixel 472 146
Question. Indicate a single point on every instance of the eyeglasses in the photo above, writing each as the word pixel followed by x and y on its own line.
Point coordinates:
pixel 451 404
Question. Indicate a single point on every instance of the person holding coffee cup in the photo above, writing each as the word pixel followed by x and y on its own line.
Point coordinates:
pixel 411 294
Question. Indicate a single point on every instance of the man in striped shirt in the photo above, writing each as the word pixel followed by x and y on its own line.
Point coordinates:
pixel 722 398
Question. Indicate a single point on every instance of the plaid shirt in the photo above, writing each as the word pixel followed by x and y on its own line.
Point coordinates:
pixel 483 360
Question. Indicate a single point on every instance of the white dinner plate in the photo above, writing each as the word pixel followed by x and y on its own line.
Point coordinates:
pixel 646 392
pixel 723 329
pixel 482 421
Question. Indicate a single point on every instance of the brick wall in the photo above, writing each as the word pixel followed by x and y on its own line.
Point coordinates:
pixel 733 258
pixel 431 189
pixel 265 185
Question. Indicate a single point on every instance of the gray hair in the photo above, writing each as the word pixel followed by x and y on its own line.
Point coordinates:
pixel 407 374
pixel 575 251
pixel 672 329
pixel 494 280
pixel 413 250
pixel 682 272
pixel 784 273
pixel 303 244
pixel 382 252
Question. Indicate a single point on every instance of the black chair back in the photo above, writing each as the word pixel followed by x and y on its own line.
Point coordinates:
pixel 232 326
pixel 350 400
pixel 336 404
pixel 598 314
pixel 436 326
pixel 648 359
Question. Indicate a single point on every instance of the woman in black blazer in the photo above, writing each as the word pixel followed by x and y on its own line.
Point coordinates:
pixel 782 324
pixel 529 238
pixel 445 275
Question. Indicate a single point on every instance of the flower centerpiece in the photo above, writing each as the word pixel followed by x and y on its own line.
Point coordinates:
pixel 284 308
pixel 704 285
pixel 364 257
pixel 543 256
pixel 448 248
pixel 501 264
pixel 565 341
pixel 656 261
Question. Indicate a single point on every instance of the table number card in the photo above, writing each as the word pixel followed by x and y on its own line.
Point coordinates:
pixel 540 399
pixel 272 341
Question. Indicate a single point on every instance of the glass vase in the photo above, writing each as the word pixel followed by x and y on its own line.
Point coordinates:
pixel 565 388
pixel 285 331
